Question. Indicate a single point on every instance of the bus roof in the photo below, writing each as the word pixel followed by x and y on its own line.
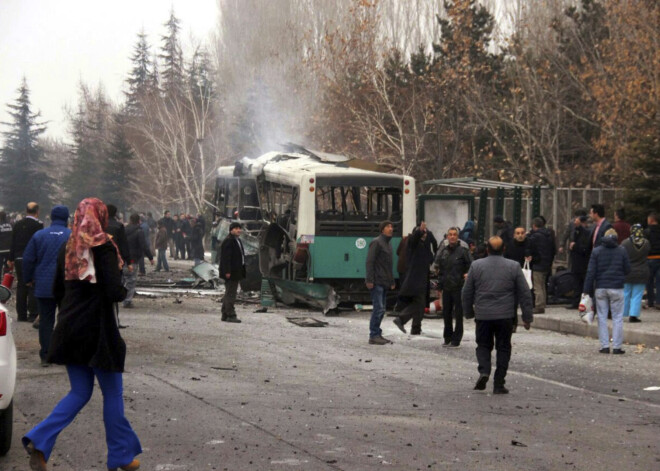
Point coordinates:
pixel 291 167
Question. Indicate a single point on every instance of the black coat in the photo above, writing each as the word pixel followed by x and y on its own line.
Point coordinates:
pixel 419 258
pixel 197 242
pixel 86 332
pixel 138 246
pixel 232 259
pixel 542 244
pixel 118 233
pixel 21 235
pixel 518 251
pixel 581 250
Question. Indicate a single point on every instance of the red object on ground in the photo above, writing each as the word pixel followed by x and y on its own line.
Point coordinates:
pixel 8 280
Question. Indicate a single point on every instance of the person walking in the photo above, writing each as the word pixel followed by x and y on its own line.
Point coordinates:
pixel 86 340
pixel 493 287
pixel 652 233
pixel 161 246
pixel 413 288
pixel 543 254
pixel 26 303
pixel 39 264
pixel 638 249
pixel 138 248
pixel 232 270
pixel 608 267
pixel 452 261
pixel 379 278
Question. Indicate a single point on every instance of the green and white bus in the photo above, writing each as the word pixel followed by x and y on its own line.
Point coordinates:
pixel 313 215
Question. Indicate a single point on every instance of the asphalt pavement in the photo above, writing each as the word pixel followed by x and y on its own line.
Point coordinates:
pixel 270 395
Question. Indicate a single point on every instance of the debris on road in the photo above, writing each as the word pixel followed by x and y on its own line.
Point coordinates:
pixel 306 322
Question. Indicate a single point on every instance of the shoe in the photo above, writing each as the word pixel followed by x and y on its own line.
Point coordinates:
pixel 446 342
pixel 452 345
pixel 539 310
pixel 618 351
pixel 234 320
pixel 132 466
pixel 415 332
pixel 378 341
pixel 634 319
pixel 604 350
pixel 128 305
pixel 399 323
pixel 500 390
pixel 37 460
pixel 121 326
pixel 35 324
pixel 44 364
pixel 481 383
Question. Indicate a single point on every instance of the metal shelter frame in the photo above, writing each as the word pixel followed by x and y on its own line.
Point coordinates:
pixel 501 188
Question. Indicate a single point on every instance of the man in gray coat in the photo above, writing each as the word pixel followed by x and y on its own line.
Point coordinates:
pixel 493 287
pixel 379 279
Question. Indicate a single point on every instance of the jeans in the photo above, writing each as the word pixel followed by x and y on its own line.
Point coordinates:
pixel 610 300
pixel 123 444
pixel 47 307
pixel 379 300
pixel 494 333
pixel 162 260
pixel 653 286
pixel 452 309
pixel 632 299
pixel 130 278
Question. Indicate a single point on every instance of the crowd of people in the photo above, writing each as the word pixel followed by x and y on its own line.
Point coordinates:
pixel 612 263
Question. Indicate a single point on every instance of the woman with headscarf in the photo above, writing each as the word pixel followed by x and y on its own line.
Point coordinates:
pixel 86 339
pixel 638 249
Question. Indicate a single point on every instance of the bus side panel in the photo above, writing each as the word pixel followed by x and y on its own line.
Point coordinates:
pixel 344 257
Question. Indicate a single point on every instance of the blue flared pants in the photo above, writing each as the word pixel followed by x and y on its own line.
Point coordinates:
pixel 123 443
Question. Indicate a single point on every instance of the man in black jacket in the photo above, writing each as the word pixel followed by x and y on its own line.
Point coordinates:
pixel 232 270
pixel 118 233
pixel 492 288
pixel 379 278
pixel 579 253
pixel 170 226
pixel 138 248
pixel 453 262
pixel 26 303
pixel 543 254
pixel 5 239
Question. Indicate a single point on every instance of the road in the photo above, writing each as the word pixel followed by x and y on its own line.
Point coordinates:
pixel 270 395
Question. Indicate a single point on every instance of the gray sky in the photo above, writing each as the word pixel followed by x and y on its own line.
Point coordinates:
pixel 57 43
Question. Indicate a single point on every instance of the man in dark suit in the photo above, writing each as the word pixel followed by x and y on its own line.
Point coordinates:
pixel 26 303
pixel 118 232
pixel 232 270
pixel 601 225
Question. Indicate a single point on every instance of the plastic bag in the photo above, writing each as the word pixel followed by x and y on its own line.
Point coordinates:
pixel 586 309
pixel 527 272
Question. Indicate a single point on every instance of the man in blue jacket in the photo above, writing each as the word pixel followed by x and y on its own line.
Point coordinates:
pixel 39 263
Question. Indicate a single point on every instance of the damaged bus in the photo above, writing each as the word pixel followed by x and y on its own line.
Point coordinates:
pixel 308 219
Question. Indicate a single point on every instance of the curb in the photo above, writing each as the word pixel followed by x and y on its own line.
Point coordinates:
pixel 576 327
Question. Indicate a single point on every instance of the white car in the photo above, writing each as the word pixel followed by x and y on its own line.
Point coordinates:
pixel 7 373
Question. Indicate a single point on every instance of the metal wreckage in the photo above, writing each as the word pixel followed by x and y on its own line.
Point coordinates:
pixel 308 218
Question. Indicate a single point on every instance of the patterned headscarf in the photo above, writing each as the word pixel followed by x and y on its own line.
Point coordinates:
pixel 89 222
pixel 637 234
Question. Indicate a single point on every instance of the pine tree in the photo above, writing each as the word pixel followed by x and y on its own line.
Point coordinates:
pixel 91 136
pixel 140 79
pixel 117 168
pixel 172 58
pixel 22 174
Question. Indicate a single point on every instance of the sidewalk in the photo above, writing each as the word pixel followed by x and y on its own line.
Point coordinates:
pixel 559 319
